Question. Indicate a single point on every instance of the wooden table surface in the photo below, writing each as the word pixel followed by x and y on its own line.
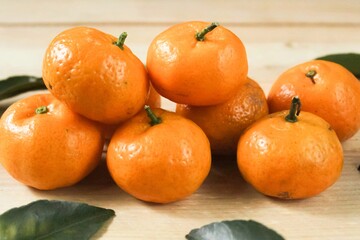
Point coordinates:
pixel 277 35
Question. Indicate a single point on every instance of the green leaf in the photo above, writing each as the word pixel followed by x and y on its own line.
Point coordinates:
pixel 15 85
pixel 234 230
pixel 350 61
pixel 45 219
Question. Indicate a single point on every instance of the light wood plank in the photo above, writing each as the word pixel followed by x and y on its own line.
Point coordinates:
pixel 279 12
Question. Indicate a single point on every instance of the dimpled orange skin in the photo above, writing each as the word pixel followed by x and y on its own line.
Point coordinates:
pixel 153 100
pixel 50 150
pixel 94 77
pixel 161 163
pixel 194 72
pixel 335 95
pixel 224 123
pixel 290 160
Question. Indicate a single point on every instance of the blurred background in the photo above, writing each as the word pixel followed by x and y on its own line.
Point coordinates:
pixel 277 34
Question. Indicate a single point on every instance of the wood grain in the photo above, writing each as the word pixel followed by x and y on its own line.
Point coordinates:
pixel 265 12
pixel 276 34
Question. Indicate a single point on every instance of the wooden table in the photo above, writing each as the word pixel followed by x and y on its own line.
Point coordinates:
pixel 277 35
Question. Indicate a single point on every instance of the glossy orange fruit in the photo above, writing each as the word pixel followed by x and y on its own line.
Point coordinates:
pixel 153 100
pixel 288 156
pixel 224 123
pixel 161 160
pixel 45 145
pixel 326 89
pixel 197 63
pixel 95 74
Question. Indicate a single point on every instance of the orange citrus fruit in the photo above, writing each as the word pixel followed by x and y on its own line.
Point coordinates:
pixel 197 63
pixel 153 100
pixel 160 160
pixel 326 89
pixel 225 122
pixel 289 156
pixel 95 74
pixel 45 145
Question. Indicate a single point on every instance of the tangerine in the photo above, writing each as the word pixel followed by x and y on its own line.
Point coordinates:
pixel 197 63
pixel 327 89
pixel 153 101
pixel 161 160
pixel 45 145
pixel 95 74
pixel 290 157
pixel 224 123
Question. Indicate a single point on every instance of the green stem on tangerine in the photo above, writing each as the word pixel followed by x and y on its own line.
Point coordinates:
pixel 120 42
pixel 294 110
pixel 200 36
pixel 311 74
pixel 154 119
pixel 41 110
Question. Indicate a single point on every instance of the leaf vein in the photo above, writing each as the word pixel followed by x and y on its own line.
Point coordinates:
pixel 72 225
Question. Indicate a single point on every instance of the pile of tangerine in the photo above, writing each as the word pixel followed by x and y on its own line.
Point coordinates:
pixel 98 90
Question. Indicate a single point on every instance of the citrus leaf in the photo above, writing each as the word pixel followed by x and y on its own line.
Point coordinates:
pixel 45 219
pixel 351 61
pixel 15 85
pixel 234 230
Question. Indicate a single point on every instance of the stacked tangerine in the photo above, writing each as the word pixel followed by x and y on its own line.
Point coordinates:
pixel 291 155
pixel 93 79
pixel 203 68
pixel 96 84
pixel 285 154
pixel 98 89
